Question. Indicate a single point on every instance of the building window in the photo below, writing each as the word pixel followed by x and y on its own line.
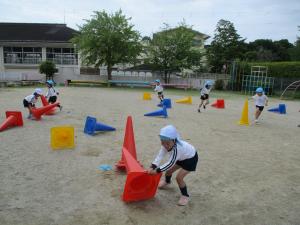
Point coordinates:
pixel 22 55
pixel 62 56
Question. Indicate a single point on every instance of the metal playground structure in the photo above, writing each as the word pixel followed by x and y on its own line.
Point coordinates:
pixel 258 78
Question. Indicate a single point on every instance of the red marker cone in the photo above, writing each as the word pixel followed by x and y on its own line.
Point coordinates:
pixel 38 112
pixel 45 103
pixel 13 118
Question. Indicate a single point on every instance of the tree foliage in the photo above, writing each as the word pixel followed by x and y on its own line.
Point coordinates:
pixel 226 46
pixel 48 68
pixel 108 39
pixel 172 50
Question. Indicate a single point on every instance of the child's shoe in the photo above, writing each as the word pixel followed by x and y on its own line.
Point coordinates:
pixel 60 108
pixel 199 110
pixel 183 200
pixel 29 116
pixel 162 184
pixel 204 107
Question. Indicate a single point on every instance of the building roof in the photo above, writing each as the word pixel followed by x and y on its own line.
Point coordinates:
pixel 35 32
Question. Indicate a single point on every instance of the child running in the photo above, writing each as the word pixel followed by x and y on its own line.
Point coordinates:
pixel 30 100
pixel 182 157
pixel 159 89
pixel 52 93
pixel 261 100
pixel 204 95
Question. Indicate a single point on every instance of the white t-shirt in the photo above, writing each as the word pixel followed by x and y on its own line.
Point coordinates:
pixel 179 152
pixel 260 100
pixel 204 91
pixel 31 99
pixel 51 92
pixel 158 88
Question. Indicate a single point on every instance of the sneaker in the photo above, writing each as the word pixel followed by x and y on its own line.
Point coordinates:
pixel 60 108
pixel 183 200
pixel 199 110
pixel 162 184
pixel 204 107
pixel 256 121
pixel 29 116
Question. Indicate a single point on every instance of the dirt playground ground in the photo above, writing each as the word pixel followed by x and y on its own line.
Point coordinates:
pixel 246 174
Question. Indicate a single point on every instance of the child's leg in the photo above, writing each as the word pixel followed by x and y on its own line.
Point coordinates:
pixel 168 175
pixel 179 178
pixel 201 103
pixel 257 113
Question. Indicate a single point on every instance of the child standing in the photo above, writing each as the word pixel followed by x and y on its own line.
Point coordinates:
pixel 30 100
pixel 52 93
pixel 204 95
pixel 159 89
pixel 182 157
pixel 261 100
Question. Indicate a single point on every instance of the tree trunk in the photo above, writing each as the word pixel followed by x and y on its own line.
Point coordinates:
pixel 166 77
pixel 109 70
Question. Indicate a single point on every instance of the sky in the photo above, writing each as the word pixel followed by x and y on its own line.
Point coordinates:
pixel 256 19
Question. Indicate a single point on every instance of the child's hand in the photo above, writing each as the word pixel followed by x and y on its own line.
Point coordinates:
pixel 152 171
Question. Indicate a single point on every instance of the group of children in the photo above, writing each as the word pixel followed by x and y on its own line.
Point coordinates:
pixel 30 100
pixel 182 155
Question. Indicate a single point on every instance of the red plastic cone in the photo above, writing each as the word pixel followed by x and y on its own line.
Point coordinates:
pixel 38 112
pixel 128 143
pixel 13 118
pixel 45 103
pixel 139 184
pixel 220 104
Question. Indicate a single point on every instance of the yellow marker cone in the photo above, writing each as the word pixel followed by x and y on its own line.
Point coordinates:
pixel 244 118
pixel 62 137
pixel 187 100
pixel 147 96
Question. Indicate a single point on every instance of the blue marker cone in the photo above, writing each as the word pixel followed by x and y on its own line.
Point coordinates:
pixel 91 126
pixel 281 109
pixel 162 112
pixel 166 102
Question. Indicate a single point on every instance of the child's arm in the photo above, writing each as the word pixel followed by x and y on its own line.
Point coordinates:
pixel 158 158
pixel 267 100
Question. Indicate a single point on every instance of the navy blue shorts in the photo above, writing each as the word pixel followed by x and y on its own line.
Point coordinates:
pixel 189 164
pixel 260 108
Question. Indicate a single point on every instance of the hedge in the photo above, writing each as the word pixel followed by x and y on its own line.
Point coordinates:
pixel 275 69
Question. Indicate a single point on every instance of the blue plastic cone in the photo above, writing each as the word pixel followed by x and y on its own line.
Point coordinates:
pixel 166 102
pixel 281 109
pixel 91 125
pixel 162 112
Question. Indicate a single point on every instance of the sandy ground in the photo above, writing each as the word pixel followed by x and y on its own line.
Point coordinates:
pixel 246 175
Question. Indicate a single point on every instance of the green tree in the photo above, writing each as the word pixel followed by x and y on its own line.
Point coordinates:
pixel 268 50
pixel 108 39
pixel 226 46
pixel 48 68
pixel 172 50
pixel 295 52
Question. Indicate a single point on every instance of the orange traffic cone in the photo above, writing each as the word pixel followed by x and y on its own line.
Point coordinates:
pixel 13 118
pixel 128 143
pixel 139 184
pixel 220 104
pixel 45 103
pixel 38 112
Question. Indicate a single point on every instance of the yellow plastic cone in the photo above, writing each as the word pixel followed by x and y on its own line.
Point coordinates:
pixel 147 96
pixel 244 118
pixel 187 100
pixel 62 137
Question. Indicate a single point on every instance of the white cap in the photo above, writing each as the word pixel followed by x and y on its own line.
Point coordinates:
pixel 169 132
pixel 38 91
